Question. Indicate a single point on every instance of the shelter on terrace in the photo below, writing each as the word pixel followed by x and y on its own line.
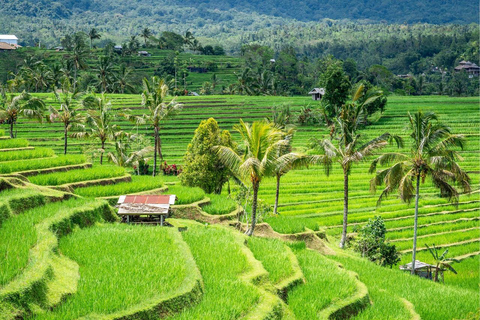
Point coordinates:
pixel 145 208
pixel 424 270
pixel 317 93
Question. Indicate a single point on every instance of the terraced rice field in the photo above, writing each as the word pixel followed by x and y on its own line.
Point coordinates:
pixel 62 272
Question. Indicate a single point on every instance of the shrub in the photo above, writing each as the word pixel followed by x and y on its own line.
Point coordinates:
pixel 370 242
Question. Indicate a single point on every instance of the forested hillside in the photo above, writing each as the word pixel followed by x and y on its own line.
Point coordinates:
pixel 46 21
pixel 409 11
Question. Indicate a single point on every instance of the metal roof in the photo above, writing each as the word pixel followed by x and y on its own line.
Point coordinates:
pixel 317 90
pixel 145 204
pixel 8 37
pixel 418 265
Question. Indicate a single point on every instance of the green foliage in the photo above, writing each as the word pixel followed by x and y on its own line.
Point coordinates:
pixel 221 275
pixel 219 204
pixel 431 301
pixel 370 242
pixel 203 167
pixel 274 256
pixel 326 283
pixel 13 143
pixel 26 154
pixel 34 164
pixel 186 195
pixel 337 86
pixel 58 178
pixel 140 276
pixel 138 184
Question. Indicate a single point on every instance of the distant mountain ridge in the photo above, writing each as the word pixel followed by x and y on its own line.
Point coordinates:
pixel 390 11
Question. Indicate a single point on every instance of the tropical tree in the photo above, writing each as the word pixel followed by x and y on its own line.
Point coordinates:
pixel 188 39
pixel 12 106
pixel 145 34
pixel 106 73
pixel 99 120
pixel 261 143
pixel 350 149
pixel 203 167
pixel 431 154
pixel 78 56
pixel 123 157
pixel 93 34
pixel 441 261
pixel 68 112
pixel 154 100
pixel 123 79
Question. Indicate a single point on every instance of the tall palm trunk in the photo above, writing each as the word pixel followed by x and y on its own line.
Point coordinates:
pixel 11 129
pixel 74 77
pixel 103 151
pixel 415 224
pixel 157 149
pixel 345 208
pixel 65 137
pixel 275 208
pixel 254 209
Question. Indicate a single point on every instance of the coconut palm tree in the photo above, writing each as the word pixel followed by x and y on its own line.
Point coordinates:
pixel 145 34
pixel 123 157
pixel 99 120
pixel 78 56
pixel 154 100
pixel 261 144
pixel 106 73
pixel 441 261
pixel 123 79
pixel 93 34
pixel 431 154
pixel 68 112
pixel 349 149
pixel 12 106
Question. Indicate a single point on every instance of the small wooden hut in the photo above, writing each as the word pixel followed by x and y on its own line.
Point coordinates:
pixel 317 93
pixel 153 209
pixel 424 270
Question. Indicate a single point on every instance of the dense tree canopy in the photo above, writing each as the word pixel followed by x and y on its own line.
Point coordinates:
pixel 202 167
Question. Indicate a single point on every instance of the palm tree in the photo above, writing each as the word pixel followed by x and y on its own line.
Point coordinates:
pixel 261 144
pixel 123 77
pixel 146 33
pixel 154 100
pixel 123 158
pixel 78 57
pixel 99 119
pixel 12 106
pixel 441 261
pixel 68 112
pixel 350 149
pixel 93 34
pixel 106 75
pixel 430 155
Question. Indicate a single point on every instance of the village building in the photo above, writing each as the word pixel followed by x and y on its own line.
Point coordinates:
pixel 9 38
pixel 144 53
pixel 469 67
pixel 317 93
pixel 7 46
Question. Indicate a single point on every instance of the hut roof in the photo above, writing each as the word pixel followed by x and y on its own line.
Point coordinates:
pixel 418 265
pixel 7 46
pixel 145 204
pixel 317 90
